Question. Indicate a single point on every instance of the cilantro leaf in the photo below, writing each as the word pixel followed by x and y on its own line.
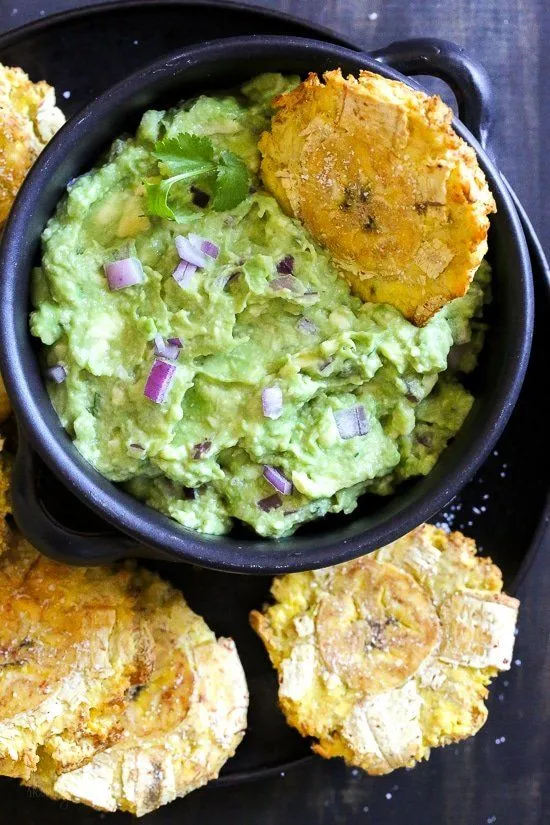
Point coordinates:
pixel 188 158
pixel 231 182
pixel 186 153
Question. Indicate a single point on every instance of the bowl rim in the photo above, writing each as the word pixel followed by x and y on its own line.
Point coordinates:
pixel 144 524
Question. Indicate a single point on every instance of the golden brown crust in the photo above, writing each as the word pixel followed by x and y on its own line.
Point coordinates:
pixel 382 658
pixel 71 645
pixel 5 406
pixel 359 632
pixel 376 173
pixel 178 729
pixel 28 120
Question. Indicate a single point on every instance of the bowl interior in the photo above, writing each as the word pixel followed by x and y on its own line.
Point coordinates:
pixel 75 149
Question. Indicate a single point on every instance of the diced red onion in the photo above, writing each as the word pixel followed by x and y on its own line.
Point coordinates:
pixel 189 493
pixel 176 342
pixel 201 449
pixel 126 272
pixel 165 349
pixel 270 503
pixel 57 373
pixel 188 252
pixel 286 265
pixel 159 381
pixel 210 249
pixel 183 274
pixel 204 245
pixel 277 480
pixel 272 402
pixel 305 325
pixel 286 282
pixel 351 421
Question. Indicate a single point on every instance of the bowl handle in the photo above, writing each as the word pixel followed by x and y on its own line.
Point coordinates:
pixel 47 534
pixel 449 62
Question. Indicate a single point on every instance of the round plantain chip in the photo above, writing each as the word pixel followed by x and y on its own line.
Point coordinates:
pixel 71 646
pixel 29 118
pixel 382 658
pixel 376 173
pixel 178 729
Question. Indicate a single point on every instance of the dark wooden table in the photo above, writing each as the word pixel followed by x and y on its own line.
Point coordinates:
pixel 502 776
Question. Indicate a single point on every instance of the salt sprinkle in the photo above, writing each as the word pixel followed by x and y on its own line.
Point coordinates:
pixel 66 95
pixel 136 42
pixel 282 773
pixel 366 809
pixel 355 772
pixel 491 819
pixel 495 452
pixel 485 496
pixel 14 11
pixel 506 683
pixel 501 697
pixel 42 12
pixel 517 662
pixel 476 510
pixel 395 788
pixel 388 795
pixel 500 740
pixel 373 16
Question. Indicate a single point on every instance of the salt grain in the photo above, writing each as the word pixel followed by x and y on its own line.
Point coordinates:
pixel 373 16
pixel 388 795
pixel 66 95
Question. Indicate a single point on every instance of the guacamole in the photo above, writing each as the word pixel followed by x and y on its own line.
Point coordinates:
pixel 358 399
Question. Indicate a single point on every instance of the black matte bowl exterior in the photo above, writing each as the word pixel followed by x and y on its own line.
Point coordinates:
pixel 215 66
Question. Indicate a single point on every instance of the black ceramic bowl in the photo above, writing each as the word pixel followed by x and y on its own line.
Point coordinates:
pixel 143 531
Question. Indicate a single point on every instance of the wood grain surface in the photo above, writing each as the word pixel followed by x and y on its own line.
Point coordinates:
pixel 501 776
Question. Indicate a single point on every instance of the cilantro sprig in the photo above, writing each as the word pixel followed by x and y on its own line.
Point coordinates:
pixel 192 159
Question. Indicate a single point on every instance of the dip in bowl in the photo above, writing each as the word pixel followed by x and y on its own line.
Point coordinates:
pixel 248 383
pixel 289 397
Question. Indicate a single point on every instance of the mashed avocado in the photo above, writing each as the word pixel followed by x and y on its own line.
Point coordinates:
pixel 199 456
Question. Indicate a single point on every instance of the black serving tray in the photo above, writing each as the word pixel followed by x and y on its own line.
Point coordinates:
pixel 504 508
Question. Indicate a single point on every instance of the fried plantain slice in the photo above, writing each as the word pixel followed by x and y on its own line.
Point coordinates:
pixel 382 658
pixel 5 406
pixel 71 646
pixel 376 173
pixel 28 120
pixel 179 728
